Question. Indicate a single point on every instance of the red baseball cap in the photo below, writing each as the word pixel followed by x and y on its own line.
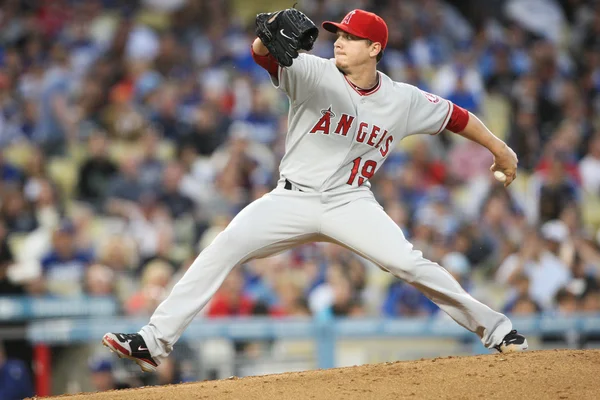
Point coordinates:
pixel 362 24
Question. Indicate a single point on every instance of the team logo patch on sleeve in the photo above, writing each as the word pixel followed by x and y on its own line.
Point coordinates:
pixel 431 97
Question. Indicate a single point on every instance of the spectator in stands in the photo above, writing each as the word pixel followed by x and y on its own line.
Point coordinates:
pixel 122 117
pixel 10 128
pixel 238 162
pixel 178 204
pixel 412 190
pixel 64 267
pixel 425 233
pixel 462 97
pixel 148 223
pixel 127 184
pixel 448 76
pixel 519 291
pixel 430 170
pixel 525 306
pixel 89 101
pixel 119 253
pixel 345 301
pixel 262 276
pixel 103 377
pixel 82 215
pixel 459 267
pixel 38 187
pixel 230 300
pixel 46 203
pixel 7 288
pixel 207 130
pixel 99 281
pixel 494 224
pixel 17 213
pixel 290 300
pixel 336 296
pixel 589 167
pixel 470 241
pixel 413 76
pixel 164 109
pixel 9 173
pixel 566 302
pixel 162 251
pixel 525 138
pixel 36 172
pixel 153 290
pixel 538 260
pixel 404 300
pixel 502 73
pixel 468 161
pixel 557 190
pixel 438 207
pixel 590 302
pixel 96 172
pixel 562 146
pixel 545 67
pixel 150 166
pixel 56 126
pixel 260 119
pixel 15 379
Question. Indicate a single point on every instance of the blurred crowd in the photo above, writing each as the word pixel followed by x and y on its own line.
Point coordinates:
pixel 131 133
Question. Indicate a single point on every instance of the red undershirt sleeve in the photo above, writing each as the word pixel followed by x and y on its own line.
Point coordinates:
pixel 458 119
pixel 268 62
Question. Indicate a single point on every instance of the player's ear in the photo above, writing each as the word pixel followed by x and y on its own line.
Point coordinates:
pixel 375 49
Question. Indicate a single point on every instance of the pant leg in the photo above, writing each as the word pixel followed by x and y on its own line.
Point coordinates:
pixel 363 227
pixel 279 220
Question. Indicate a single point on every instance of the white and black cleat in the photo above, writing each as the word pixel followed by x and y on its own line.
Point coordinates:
pixel 512 343
pixel 131 346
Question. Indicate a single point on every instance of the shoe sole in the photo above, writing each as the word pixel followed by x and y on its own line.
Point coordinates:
pixel 114 347
pixel 514 348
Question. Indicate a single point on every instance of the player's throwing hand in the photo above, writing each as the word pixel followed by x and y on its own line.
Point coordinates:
pixel 506 161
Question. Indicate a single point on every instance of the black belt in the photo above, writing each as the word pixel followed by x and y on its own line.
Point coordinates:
pixel 288 185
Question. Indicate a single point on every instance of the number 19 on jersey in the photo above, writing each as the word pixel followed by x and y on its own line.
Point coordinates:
pixel 367 171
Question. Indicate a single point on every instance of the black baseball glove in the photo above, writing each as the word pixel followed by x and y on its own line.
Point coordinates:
pixel 285 32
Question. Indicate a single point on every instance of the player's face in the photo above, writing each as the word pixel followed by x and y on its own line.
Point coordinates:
pixel 351 51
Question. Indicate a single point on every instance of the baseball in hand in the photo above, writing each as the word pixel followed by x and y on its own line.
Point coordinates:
pixel 500 177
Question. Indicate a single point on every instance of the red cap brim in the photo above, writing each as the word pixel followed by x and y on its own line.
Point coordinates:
pixel 334 26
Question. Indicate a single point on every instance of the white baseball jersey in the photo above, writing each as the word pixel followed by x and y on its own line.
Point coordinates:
pixel 337 137
pixel 337 140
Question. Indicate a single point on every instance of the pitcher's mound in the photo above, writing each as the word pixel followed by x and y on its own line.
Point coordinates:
pixel 555 374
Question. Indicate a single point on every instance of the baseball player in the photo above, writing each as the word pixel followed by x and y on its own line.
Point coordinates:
pixel 344 119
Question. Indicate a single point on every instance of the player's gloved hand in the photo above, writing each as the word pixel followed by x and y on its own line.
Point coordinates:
pixel 285 32
pixel 506 161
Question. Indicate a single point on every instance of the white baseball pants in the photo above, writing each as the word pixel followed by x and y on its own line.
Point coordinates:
pixel 285 218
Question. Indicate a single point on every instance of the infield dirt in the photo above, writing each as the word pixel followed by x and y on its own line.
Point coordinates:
pixel 554 374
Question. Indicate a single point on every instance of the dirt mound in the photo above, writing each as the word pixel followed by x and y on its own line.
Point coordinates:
pixel 556 374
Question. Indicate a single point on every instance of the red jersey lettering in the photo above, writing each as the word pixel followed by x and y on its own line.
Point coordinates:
pixel 362 132
pixel 344 124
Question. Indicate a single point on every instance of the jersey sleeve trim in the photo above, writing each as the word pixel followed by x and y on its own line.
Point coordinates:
pixel 267 62
pixel 446 119
pixel 458 119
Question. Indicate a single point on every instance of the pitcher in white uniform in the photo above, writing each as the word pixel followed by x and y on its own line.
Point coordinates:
pixel 344 119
